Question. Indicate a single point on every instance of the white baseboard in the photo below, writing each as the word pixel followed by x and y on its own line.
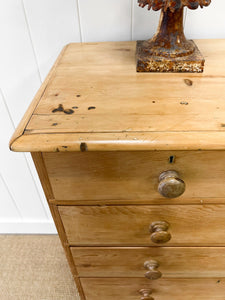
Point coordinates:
pixel 27 227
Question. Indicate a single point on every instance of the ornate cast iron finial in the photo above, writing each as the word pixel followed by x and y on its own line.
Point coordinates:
pixel 168 50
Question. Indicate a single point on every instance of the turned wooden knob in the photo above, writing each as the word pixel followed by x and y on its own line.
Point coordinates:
pixel 159 234
pixel 170 185
pixel 146 294
pixel 152 273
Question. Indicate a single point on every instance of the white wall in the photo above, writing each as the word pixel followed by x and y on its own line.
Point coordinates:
pixel 32 33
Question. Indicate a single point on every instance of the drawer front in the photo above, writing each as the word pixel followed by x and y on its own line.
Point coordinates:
pixel 134 175
pixel 163 289
pixel 173 262
pixel 189 225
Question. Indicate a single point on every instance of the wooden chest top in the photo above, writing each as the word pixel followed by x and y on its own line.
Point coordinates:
pixel 93 99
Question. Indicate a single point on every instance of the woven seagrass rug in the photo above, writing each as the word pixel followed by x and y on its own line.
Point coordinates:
pixel 34 267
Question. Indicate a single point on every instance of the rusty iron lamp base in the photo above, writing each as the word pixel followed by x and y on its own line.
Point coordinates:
pixel 193 63
pixel 169 50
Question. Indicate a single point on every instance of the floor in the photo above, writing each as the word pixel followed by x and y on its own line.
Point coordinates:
pixel 34 267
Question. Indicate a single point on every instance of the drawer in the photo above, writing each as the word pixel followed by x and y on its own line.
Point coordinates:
pixel 163 289
pixel 173 262
pixel 189 225
pixel 134 175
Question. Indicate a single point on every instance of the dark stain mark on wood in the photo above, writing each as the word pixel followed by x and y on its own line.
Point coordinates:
pixel 188 82
pixel 68 111
pixel 59 108
pixel 86 265
pixel 223 125
pixel 218 281
pixel 184 103
pixel 57 150
pixel 172 159
pixel 56 94
pixel 83 147
pixel 91 107
pixel 153 101
pixel 123 49
pixel 54 124
pixel 78 96
pixel 75 107
pixel 65 147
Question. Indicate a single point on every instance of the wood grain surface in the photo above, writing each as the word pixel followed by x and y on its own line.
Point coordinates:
pixel 134 175
pixel 103 102
pixel 174 262
pixel 190 225
pixel 163 289
pixel 43 175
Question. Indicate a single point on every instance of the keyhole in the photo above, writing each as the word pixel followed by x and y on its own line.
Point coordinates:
pixel 172 159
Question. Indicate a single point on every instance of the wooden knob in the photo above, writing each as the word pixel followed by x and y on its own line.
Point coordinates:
pixel 170 185
pixel 152 273
pixel 159 234
pixel 146 294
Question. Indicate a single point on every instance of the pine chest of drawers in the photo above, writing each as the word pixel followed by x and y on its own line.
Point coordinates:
pixel 133 168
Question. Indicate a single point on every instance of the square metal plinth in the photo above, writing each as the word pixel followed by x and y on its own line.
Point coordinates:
pixel 193 63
